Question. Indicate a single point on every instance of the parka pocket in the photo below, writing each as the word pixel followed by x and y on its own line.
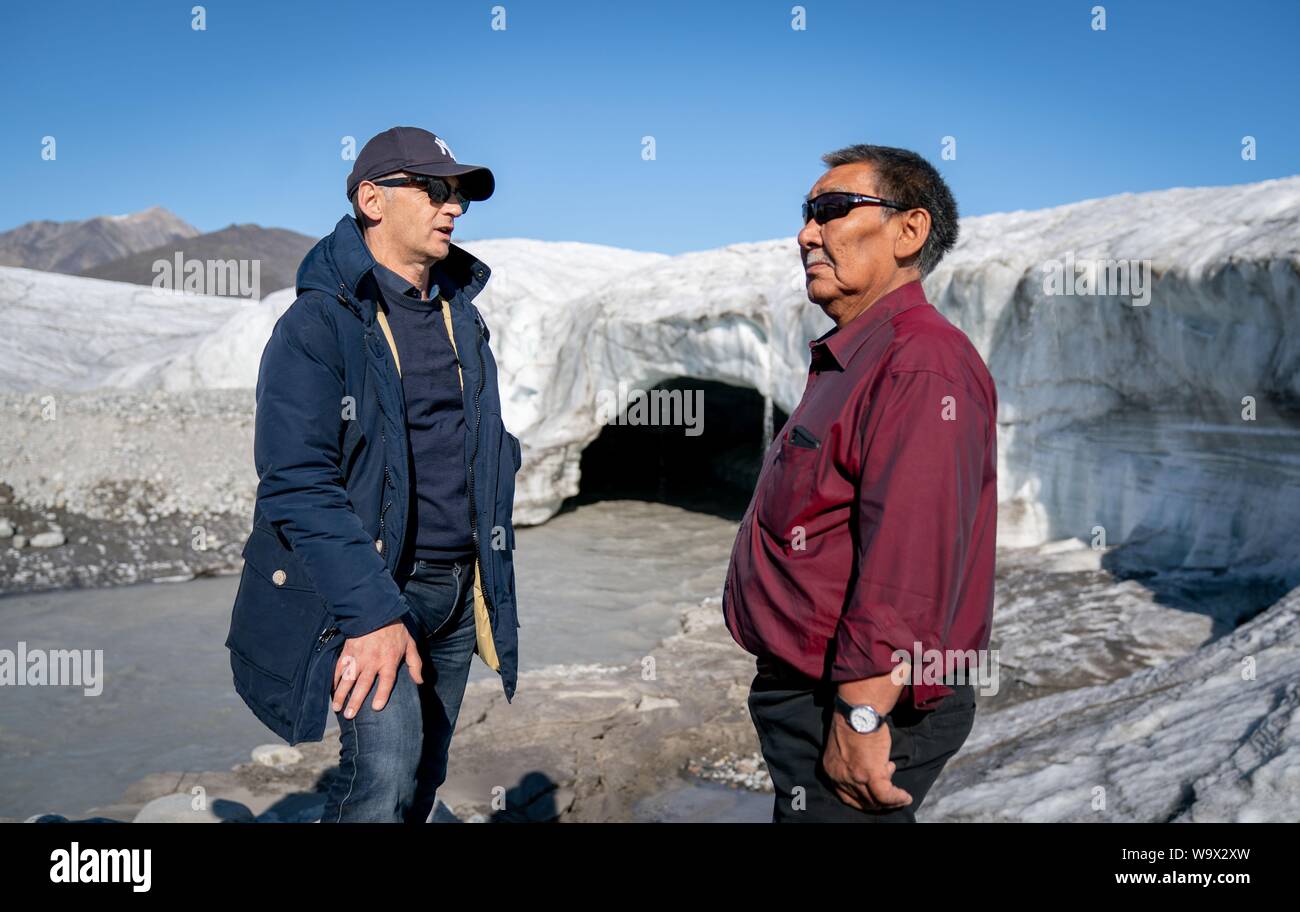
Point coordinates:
pixel 515 450
pixel 276 618
pixel 351 446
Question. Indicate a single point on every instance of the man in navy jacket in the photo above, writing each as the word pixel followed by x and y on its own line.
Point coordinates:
pixel 382 533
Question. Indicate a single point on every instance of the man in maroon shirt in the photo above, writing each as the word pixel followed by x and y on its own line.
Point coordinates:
pixel 870 537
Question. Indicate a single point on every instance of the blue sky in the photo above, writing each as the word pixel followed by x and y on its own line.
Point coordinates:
pixel 243 122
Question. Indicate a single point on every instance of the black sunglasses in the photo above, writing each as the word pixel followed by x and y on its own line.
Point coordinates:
pixel 438 189
pixel 827 206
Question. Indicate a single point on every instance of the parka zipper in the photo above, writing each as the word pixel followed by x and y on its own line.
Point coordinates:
pixel 478 423
pixel 383 439
pixel 344 299
pixel 327 634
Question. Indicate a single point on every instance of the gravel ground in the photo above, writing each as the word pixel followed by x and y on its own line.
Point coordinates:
pixel 107 488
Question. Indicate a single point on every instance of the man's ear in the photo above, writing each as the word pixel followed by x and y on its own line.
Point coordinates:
pixel 370 201
pixel 914 228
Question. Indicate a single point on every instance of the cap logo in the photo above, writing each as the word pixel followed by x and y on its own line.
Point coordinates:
pixel 443 146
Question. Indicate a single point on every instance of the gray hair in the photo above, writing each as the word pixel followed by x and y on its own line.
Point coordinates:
pixel 388 195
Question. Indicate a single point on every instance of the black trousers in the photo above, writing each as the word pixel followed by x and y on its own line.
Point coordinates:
pixel 793 713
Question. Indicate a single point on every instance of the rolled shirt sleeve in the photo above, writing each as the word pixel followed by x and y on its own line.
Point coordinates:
pixel 919 495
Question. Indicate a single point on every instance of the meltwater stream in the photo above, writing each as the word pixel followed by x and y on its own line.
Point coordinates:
pixel 599 584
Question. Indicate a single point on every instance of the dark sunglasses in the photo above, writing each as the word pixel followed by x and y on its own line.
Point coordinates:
pixel 438 189
pixel 829 206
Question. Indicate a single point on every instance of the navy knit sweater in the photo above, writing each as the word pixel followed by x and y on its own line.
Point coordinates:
pixel 435 418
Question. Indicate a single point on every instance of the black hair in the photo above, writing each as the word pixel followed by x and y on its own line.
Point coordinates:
pixel 908 179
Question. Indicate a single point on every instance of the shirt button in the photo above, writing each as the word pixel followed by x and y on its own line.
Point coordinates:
pixel 278 577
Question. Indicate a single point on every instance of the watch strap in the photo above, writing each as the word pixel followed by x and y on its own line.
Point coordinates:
pixel 846 709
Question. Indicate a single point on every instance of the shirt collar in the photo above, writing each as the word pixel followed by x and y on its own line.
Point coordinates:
pixel 396 288
pixel 841 343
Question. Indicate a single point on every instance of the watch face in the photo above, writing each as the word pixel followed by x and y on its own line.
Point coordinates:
pixel 864 720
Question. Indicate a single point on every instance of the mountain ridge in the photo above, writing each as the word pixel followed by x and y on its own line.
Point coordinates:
pixel 72 246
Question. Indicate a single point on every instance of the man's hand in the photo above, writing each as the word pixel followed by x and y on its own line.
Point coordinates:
pixel 858 764
pixel 375 655
pixel 860 768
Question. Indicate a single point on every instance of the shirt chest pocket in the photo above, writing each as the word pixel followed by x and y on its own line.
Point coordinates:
pixel 788 488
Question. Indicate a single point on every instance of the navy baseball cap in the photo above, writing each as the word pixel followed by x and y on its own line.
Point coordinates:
pixel 417 151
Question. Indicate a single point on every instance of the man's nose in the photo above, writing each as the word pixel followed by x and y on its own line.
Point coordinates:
pixel 810 235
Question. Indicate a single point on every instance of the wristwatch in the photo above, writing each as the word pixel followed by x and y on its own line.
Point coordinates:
pixel 862 719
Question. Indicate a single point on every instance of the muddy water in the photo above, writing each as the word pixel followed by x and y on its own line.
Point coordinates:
pixel 599 584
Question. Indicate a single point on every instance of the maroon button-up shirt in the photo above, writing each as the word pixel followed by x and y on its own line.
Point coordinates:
pixel 873 523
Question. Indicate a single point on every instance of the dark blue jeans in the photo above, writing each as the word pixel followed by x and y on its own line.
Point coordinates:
pixel 391 762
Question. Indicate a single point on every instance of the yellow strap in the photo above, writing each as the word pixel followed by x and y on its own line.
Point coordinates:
pixel 487 648
pixel 388 334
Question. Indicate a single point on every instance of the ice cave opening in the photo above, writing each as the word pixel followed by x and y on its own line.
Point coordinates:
pixel 693 443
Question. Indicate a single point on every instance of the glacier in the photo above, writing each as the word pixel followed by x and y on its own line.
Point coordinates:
pixel 1160 439
pixel 1117 423
pixel 1213 736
